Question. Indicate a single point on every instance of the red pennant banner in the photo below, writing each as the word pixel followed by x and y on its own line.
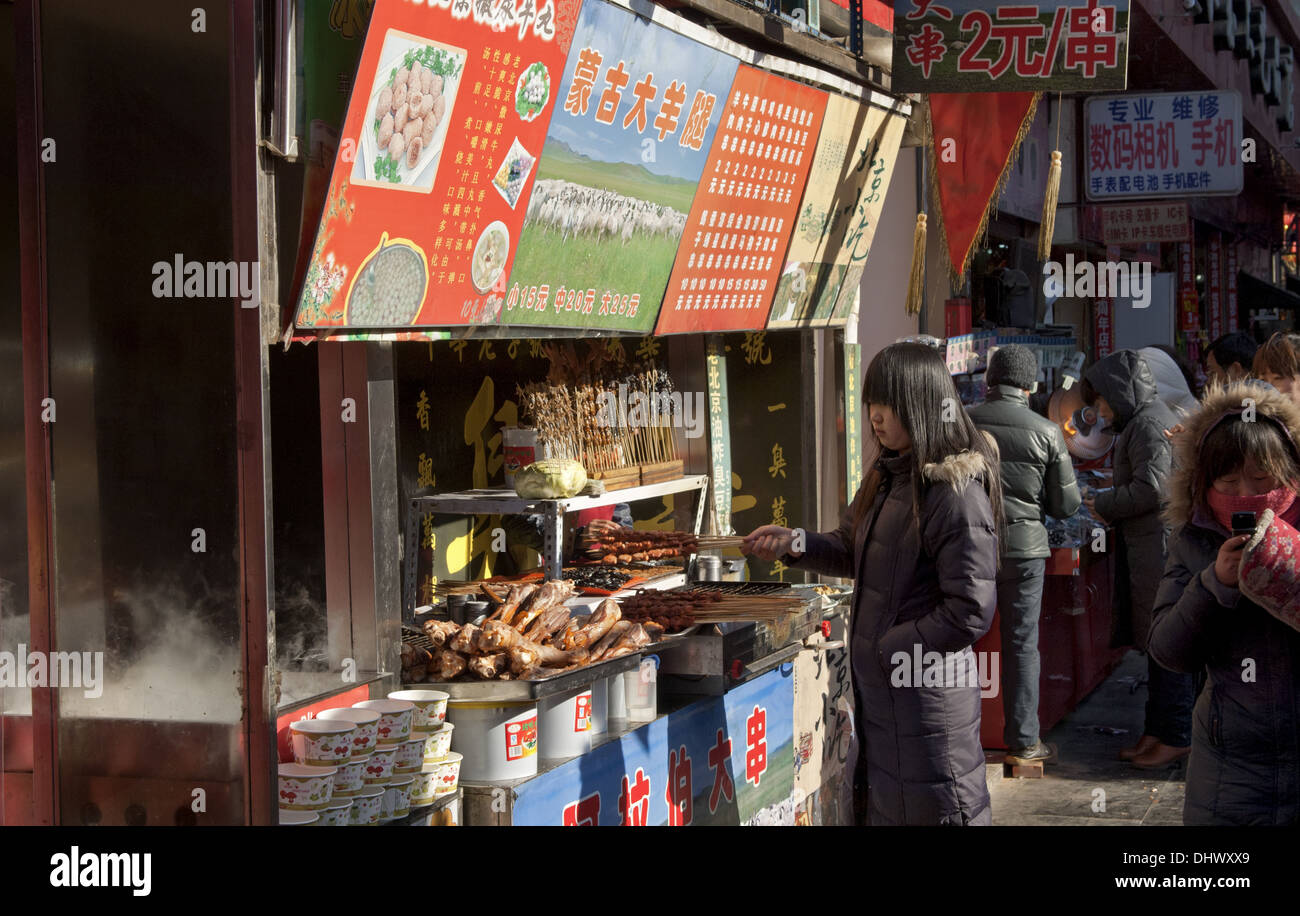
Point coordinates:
pixel 975 136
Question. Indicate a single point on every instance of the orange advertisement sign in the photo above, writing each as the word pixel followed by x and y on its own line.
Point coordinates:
pixel 446 122
pixel 733 249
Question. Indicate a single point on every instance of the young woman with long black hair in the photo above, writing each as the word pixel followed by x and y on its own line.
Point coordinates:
pixel 921 542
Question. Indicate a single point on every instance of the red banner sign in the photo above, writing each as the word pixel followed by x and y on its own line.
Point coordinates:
pixel 1103 312
pixel 1230 284
pixel 1214 283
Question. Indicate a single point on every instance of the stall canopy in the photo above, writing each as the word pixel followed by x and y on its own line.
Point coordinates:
pixel 1254 293
pixel 573 165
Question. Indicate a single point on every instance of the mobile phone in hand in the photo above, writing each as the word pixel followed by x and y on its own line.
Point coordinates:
pixel 1243 523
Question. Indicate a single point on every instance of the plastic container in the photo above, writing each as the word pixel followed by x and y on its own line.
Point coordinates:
pixel 520 448
pixel 600 707
pixel 617 697
pixel 564 724
pixel 641 691
pixel 497 739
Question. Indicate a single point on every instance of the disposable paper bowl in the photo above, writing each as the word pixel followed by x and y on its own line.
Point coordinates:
pixel 366 736
pixel 395 717
pixel 430 706
pixel 337 813
pixel 448 774
pixel 351 778
pixel 425 787
pixel 398 795
pixel 438 744
pixel 305 788
pixel 379 765
pixel 321 743
pixel 410 756
pixel 367 807
pixel 298 818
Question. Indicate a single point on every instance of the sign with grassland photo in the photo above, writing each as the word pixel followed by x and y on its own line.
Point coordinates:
pixel 636 111
pixel 977 46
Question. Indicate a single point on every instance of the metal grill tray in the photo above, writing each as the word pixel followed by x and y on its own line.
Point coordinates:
pixel 532 690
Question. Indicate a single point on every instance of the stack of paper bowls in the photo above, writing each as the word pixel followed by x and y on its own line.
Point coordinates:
pixel 389 766
pixel 439 771
pixel 321 749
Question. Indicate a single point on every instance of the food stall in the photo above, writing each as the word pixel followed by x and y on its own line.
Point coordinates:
pixel 545 229
pixel 546 183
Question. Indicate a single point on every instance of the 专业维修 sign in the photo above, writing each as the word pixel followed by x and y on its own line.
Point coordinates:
pixel 1164 144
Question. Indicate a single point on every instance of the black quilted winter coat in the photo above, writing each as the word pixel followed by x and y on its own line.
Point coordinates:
pixel 928 585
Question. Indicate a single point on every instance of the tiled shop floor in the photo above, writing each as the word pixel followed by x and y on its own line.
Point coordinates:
pixel 1087 784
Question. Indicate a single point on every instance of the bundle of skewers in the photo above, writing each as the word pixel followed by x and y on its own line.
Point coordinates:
pixel 530 635
pixel 606 422
pixel 625 545
pixel 678 609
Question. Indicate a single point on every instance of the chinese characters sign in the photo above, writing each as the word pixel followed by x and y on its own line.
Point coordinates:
pixel 856 150
pixel 1177 144
pixel 1132 224
pixel 736 237
pixel 446 120
pixel 638 107
pixel 1214 284
pixel 721 760
pixel 719 433
pixel 966 46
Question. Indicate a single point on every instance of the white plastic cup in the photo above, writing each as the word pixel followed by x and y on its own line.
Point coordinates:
pixel 641 691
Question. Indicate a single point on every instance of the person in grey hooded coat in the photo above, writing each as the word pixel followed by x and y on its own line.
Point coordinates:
pixel 920 542
pixel 1124 392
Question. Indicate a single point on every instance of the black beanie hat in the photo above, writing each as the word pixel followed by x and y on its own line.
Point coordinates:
pixel 1013 365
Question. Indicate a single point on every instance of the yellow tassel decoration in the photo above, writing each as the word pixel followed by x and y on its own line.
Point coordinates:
pixel 916 282
pixel 1047 226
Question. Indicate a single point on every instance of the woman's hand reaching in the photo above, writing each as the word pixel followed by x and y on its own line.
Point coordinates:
pixel 770 542
pixel 1228 562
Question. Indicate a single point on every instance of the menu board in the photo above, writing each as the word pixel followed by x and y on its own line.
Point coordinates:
pixel 569 164
pixel 639 105
pixel 446 120
pixel 739 228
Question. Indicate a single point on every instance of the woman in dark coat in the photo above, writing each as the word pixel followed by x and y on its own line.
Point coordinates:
pixel 1245 759
pixel 920 541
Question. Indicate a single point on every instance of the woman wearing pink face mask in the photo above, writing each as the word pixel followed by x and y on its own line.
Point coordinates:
pixel 1239 454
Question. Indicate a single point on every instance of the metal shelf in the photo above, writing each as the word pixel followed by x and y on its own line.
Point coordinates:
pixel 506 502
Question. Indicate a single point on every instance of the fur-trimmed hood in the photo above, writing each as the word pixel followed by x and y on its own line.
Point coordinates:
pixel 1218 403
pixel 959 468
